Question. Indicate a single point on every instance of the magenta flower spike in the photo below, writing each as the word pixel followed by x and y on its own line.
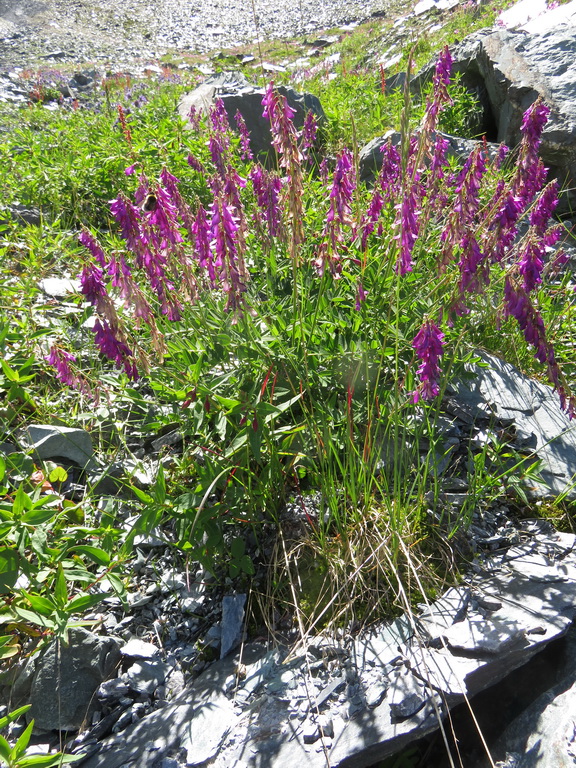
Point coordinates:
pixel 440 97
pixel 202 238
pixel 428 344
pixel 267 188
pixel 60 360
pixel 309 131
pixel 245 150
pixel 90 242
pixel 114 349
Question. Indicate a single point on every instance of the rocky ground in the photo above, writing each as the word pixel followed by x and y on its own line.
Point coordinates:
pixel 114 31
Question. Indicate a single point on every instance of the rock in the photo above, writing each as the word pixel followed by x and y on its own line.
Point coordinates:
pixel 232 623
pixel 67 678
pixel 370 156
pixel 510 70
pixel 146 676
pixel 59 287
pixel 55 442
pixel 534 409
pixel 138 649
pixel 240 95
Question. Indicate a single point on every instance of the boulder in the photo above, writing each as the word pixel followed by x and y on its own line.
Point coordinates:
pixel 56 442
pixel 67 678
pixel 509 70
pixel 238 94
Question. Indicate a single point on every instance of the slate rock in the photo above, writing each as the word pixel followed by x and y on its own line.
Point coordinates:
pixel 512 69
pixel 138 649
pixel 54 442
pixel 67 678
pixel 232 623
pixel 534 408
pixel 238 94
pixel 145 676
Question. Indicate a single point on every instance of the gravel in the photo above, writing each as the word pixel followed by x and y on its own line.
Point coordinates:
pixel 118 31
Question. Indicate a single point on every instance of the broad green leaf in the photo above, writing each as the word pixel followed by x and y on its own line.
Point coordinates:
pixel 95 554
pixel 237 548
pixel 82 602
pixel 5 751
pixel 43 605
pixel 21 502
pixel 60 588
pixel 23 741
pixel 58 475
pixel 160 486
pixel 9 569
pixel 2 468
pixel 47 761
pixel 247 565
pixel 12 716
pixel 39 516
pixel 145 498
pixel 35 618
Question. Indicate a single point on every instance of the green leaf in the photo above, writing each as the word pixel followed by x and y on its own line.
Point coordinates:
pixel 95 554
pixel 43 605
pixel 58 475
pixel 9 569
pixel 2 468
pixel 35 618
pixel 160 486
pixel 247 565
pixel 10 373
pixel 5 751
pixel 40 515
pixel 145 498
pixel 82 602
pixel 47 761
pixel 23 741
pixel 21 502
pixel 12 716
pixel 237 548
pixel 60 588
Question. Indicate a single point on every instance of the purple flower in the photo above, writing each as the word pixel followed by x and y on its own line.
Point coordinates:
pixel 246 152
pixel 128 216
pixel 408 224
pixel 164 218
pixel 309 131
pixel 130 170
pixel 440 97
pixel 428 343
pixel 361 295
pixel 60 360
pixel 194 117
pixel 195 164
pixel 339 214
pixel 92 284
pixel 202 236
pixel 470 260
pixel 371 217
pixel 389 175
pixel 530 173
pixel 90 242
pixel 114 349
pixel 267 188
pixel 545 207
pixel 219 120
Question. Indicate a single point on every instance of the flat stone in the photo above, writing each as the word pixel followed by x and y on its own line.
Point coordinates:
pixel 53 442
pixel 406 695
pixel 71 674
pixel 146 676
pixel 138 649
pixel 232 623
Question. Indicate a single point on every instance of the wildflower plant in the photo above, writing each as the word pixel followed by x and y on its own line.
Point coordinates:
pixel 307 325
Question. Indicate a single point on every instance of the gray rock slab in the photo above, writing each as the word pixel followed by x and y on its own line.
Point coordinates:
pixel 146 676
pixel 238 94
pixel 232 624
pixel 534 408
pixel 543 735
pixel 510 70
pixel 50 442
pixel 138 649
pixel 67 678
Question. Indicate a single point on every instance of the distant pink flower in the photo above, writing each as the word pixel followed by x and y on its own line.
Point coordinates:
pixel 246 152
pixel 130 170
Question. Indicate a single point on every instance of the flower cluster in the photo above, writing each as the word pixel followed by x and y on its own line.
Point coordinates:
pixel 428 344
